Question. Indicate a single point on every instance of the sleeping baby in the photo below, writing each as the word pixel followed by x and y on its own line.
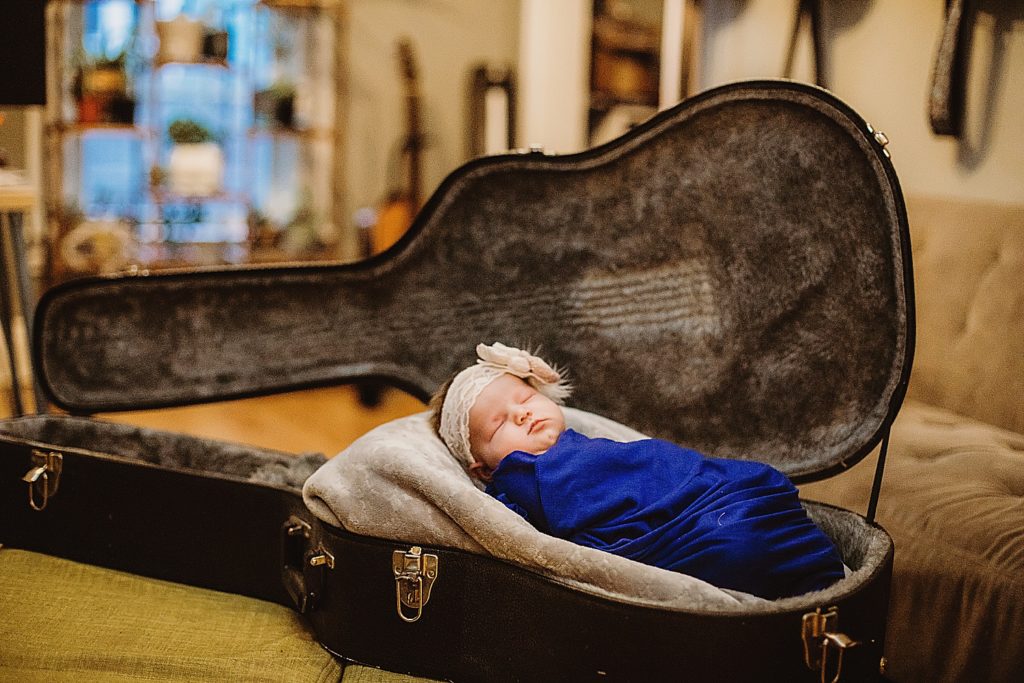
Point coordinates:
pixel 733 523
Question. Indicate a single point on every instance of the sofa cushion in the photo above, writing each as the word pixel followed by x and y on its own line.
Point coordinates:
pixel 953 501
pixel 969 282
pixel 358 673
pixel 68 621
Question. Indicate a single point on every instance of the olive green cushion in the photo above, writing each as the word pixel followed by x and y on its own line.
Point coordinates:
pixel 356 673
pixel 62 620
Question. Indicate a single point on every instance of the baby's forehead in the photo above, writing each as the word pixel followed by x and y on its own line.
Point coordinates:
pixel 492 396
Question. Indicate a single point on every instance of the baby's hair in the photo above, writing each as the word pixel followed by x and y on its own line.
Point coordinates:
pixel 436 403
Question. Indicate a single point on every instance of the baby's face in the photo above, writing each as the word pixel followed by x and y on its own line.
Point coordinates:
pixel 510 415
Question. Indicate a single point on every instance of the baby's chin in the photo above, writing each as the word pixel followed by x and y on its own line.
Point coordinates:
pixel 545 440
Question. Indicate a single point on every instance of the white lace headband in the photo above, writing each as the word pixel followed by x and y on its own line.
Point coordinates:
pixel 493 361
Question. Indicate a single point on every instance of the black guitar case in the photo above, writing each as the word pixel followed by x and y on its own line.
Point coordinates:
pixel 733 274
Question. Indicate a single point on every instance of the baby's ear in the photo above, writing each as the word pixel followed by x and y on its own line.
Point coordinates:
pixel 481 472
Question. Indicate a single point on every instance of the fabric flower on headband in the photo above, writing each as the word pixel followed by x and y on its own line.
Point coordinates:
pixel 492 362
pixel 522 364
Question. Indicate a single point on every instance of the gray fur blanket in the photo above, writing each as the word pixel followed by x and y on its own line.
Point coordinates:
pixel 399 482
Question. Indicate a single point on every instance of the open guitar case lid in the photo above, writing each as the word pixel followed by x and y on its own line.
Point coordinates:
pixel 733 275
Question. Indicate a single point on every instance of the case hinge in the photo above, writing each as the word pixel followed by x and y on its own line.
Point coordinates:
pixel 820 633
pixel 415 573
pixel 44 477
pixel 535 149
pixel 881 139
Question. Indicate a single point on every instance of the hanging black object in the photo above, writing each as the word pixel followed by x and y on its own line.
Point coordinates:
pixel 949 77
pixel 23 52
pixel 810 10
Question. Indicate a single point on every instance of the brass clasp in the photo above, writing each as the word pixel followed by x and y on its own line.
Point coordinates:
pixel 44 478
pixel 820 635
pixel 415 573
pixel 322 559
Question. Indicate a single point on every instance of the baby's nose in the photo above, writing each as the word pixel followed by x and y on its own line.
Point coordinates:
pixel 522 415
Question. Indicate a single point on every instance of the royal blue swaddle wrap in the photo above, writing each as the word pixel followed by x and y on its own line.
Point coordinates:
pixel 735 524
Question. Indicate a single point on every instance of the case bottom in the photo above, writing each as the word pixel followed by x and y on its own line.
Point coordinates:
pixel 485 620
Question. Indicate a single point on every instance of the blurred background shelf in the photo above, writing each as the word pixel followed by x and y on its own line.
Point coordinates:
pixel 254 86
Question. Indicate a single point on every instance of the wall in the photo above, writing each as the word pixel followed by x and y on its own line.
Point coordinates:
pixel 554 73
pixel 12 136
pixel 449 37
pixel 882 52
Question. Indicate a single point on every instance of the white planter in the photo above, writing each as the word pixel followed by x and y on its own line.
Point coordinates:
pixel 181 40
pixel 196 170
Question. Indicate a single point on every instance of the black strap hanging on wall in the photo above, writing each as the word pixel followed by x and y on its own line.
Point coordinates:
pixel 949 77
pixel 811 10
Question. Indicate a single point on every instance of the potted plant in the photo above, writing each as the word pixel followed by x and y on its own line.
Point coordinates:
pixel 196 165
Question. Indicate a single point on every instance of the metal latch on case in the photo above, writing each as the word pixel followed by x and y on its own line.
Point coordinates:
pixel 415 573
pixel 44 478
pixel 881 138
pixel 820 633
pixel 303 566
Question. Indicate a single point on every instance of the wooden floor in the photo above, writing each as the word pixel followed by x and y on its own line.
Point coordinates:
pixel 320 420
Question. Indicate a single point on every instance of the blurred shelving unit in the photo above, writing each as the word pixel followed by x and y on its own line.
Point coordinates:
pixel 248 173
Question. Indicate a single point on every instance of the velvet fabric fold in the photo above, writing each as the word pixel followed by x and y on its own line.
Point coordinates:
pixel 735 524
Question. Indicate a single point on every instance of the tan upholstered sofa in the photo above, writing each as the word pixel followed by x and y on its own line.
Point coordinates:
pixel 953 493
